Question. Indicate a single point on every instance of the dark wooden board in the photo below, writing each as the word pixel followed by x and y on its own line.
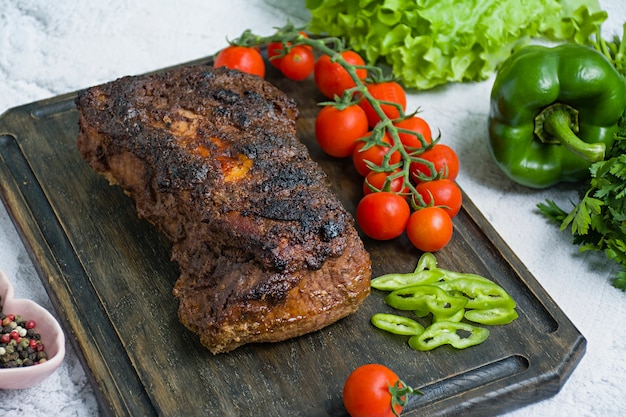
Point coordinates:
pixel 109 276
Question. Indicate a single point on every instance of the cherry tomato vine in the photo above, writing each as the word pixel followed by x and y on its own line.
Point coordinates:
pixel 402 140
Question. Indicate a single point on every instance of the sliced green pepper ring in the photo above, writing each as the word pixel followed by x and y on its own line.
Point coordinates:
pixel 458 335
pixel 392 282
pixel 426 261
pixel 456 317
pixel 396 324
pixel 421 313
pixel 426 298
pixel 482 294
pixel 492 316
pixel 450 275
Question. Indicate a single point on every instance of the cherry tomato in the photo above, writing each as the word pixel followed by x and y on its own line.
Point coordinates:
pixel 374 154
pixel 332 79
pixel 241 58
pixel 275 51
pixel 442 192
pixel 417 125
pixel 337 130
pixel 366 391
pixel 383 215
pixel 429 229
pixel 377 180
pixel 389 91
pixel 298 64
pixel 443 157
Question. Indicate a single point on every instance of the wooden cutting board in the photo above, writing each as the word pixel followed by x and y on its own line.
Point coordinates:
pixel 109 276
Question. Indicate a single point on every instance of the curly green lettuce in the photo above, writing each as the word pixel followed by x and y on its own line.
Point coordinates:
pixel 432 42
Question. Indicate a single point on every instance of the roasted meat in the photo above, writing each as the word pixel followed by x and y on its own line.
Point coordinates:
pixel 210 156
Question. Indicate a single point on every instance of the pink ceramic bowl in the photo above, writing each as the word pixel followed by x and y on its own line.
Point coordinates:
pixel 51 336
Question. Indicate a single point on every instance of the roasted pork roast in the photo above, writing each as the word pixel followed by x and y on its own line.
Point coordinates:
pixel 210 156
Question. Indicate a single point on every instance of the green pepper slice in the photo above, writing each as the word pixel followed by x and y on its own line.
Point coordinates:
pixel 481 294
pixel 426 298
pixel 458 335
pixel 456 317
pixel 392 282
pixel 450 275
pixel 492 316
pixel 421 313
pixel 396 324
pixel 426 261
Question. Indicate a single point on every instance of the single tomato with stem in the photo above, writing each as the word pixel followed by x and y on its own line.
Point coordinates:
pixel 383 215
pixel 332 79
pixel 374 390
pixel 429 229
pixel 338 128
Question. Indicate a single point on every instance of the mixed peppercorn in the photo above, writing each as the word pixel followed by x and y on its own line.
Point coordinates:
pixel 20 344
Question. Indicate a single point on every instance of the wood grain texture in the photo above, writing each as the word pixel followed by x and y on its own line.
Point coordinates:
pixel 110 279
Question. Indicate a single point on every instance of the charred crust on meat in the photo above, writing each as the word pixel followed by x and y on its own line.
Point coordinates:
pixel 210 157
pixel 273 289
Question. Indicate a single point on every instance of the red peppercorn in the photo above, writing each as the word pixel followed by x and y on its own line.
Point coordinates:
pixel 20 335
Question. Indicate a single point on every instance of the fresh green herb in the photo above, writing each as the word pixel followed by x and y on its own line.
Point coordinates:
pixel 433 42
pixel 598 221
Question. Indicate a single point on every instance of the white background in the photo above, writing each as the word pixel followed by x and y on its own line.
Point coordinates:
pixel 55 47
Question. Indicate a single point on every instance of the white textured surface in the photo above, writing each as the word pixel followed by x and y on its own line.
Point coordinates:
pixel 55 47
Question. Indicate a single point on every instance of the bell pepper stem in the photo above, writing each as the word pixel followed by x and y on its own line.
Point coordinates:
pixel 557 124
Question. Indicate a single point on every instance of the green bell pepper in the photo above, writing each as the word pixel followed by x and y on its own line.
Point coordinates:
pixel 553 112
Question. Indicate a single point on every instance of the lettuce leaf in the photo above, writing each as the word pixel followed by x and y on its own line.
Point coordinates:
pixel 432 42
